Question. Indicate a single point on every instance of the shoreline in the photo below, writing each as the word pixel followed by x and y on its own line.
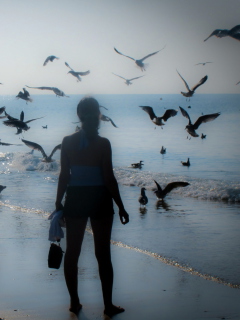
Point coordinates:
pixel 144 286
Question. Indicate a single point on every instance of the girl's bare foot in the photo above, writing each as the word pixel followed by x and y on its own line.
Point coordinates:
pixel 112 310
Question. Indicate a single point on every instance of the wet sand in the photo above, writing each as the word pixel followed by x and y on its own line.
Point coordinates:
pixel 144 286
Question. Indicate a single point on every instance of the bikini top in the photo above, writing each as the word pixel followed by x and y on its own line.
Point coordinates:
pixel 86 176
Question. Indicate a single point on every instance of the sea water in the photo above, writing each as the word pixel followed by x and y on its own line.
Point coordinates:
pixel 196 227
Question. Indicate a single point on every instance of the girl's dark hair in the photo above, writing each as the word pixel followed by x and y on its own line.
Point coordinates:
pixel 88 112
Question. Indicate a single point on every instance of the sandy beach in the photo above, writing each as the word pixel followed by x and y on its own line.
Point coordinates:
pixel 144 286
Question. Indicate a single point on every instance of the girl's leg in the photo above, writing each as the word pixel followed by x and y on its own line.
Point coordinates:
pixel 102 234
pixel 75 229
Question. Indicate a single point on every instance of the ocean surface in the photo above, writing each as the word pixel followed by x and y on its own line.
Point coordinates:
pixel 195 228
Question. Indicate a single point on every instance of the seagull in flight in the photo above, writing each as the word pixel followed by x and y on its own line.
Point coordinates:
pixel 158 120
pixel 128 81
pixel 139 62
pixel 203 63
pixel 192 127
pixel 161 193
pixel 192 90
pixel 36 146
pixel 76 73
pixel 220 33
pixel 8 144
pixel 57 92
pixel 24 95
pixel 105 118
pixel 49 58
pixel 20 124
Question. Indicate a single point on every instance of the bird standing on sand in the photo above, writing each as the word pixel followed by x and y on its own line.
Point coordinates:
pixel 139 62
pixel 24 95
pixel 57 92
pixel 137 165
pixel 192 90
pixel 158 120
pixel 77 74
pixel 128 81
pixel 192 127
pixel 161 193
pixel 19 124
pixel 49 58
pixel 2 187
pixel 187 163
pixel 36 146
pixel 105 118
pixel 143 200
pixel 220 33
pixel 163 150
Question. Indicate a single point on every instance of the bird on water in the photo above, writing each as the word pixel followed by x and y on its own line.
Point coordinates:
pixel 187 163
pixel 139 62
pixel 220 33
pixel 161 193
pixel 163 150
pixel 37 147
pixel 191 91
pixel 143 200
pixel 192 127
pixel 138 164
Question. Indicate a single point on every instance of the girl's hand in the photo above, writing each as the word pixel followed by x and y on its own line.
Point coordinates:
pixel 124 216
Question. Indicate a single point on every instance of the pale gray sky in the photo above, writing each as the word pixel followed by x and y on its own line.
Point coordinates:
pixel 84 32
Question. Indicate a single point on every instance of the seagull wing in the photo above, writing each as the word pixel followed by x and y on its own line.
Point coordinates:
pixel 22 116
pixel 151 54
pixel 135 78
pixel 186 85
pixel 35 146
pixel 213 34
pixel 119 76
pixel 2 109
pixel 41 88
pixel 235 30
pixel 124 54
pixel 26 92
pixel 9 117
pixel 46 61
pixel 9 144
pixel 14 123
pixel 149 111
pixel 58 147
pixel 83 73
pixel 168 114
pixel 112 123
pixel 33 119
pixel 235 36
pixel 173 185
pixel 205 118
pixel 185 114
pixel 238 82
pixel 204 79
pixel 66 64
pixel 158 186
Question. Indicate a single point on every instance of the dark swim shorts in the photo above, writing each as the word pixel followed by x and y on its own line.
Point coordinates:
pixel 88 201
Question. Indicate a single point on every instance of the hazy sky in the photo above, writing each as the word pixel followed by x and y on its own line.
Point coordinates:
pixel 84 32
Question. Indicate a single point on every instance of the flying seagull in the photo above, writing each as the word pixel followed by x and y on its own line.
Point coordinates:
pixel 20 124
pixel 105 118
pixel 57 92
pixel 24 95
pixel 76 73
pixel 161 193
pixel 143 200
pixel 220 33
pixel 137 165
pixel 139 62
pixel 128 81
pixel 8 144
pixel 158 120
pixel 49 58
pixel 192 127
pixel 238 82
pixel 202 63
pixel 36 146
pixel 186 163
pixel 192 90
